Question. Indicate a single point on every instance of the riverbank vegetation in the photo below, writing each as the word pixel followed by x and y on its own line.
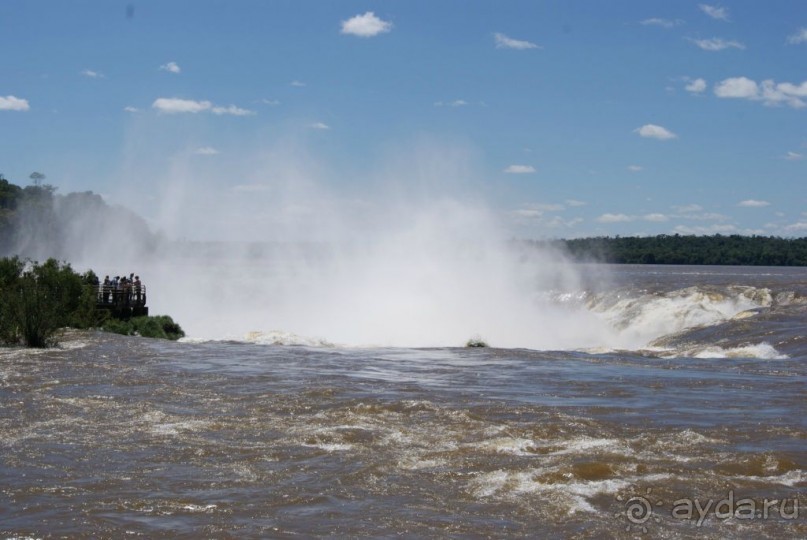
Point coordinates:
pixel 37 299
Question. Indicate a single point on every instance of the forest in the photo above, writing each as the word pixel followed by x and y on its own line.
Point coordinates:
pixel 676 249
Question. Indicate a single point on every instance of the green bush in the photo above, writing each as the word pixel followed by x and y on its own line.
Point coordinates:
pixel 159 326
pixel 36 300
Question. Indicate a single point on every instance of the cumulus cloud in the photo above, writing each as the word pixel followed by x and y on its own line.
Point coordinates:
pixel 696 86
pixel 367 25
pixel 711 229
pixel 177 105
pixel 614 218
pixel 737 87
pixel 798 227
pixel 12 103
pixel 655 217
pixel 92 74
pixel 131 109
pixel 320 125
pixel 768 91
pixel 664 23
pixel 574 202
pixel 505 42
pixel 455 103
pixel 206 151
pixel 652 131
pixel 718 13
pixel 233 110
pixel 688 208
pixel 171 67
pixel 716 44
pixel 753 203
pixel 519 169
pixel 798 37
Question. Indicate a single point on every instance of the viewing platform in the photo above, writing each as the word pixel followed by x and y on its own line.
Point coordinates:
pixel 122 303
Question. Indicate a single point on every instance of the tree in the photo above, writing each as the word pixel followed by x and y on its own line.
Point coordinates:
pixel 36 178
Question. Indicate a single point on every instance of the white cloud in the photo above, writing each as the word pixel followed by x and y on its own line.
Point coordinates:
pixel 664 23
pixel 704 216
pixel 319 125
pixel 614 218
pixel 233 110
pixel 367 25
pixel 177 105
pixel 655 217
pixel 298 84
pixel 92 74
pixel 799 226
pixel 711 229
pixel 455 103
pixel 536 214
pixel 528 212
pixel 574 202
pixel 794 156
pixel 719 13
pixel 11 103
pixel 716 44
pixel 206 151
pixel 798 37
pixel 519 169
pixel 272 102
pixel 753 203
pixel 737 87
pixel 652 131
pixel 131 109
pixel 545 207
pixel 696 86
pixel 688 208
pixel 768 91
pixel 635 168
pixel 171 67
pixel 504 42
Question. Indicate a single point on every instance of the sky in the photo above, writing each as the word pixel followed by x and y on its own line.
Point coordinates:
pixel 565 118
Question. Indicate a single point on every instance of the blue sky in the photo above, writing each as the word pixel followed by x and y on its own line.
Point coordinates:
pixel 567 118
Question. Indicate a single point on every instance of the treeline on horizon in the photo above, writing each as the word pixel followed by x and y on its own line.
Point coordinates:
pixel 696 250
pixel 38 223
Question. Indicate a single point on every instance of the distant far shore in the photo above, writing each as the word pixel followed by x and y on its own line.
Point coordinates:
pixel 734 250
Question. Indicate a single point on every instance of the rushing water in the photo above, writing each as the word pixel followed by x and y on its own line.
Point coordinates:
pixel 270 436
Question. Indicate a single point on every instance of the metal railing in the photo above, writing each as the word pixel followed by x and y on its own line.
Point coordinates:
pixel 121 296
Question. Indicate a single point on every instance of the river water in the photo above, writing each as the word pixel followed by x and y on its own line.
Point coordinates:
pixel 699 431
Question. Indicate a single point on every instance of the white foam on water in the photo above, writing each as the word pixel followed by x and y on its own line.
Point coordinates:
pixel 585 444
pixel 762 351
pixel 507 445
pixel 640 320
pixel 790 478
pixel 573 495
pixel 196 508
pixel 331 447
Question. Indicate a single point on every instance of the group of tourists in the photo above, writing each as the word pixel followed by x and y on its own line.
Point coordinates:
pixel 123 291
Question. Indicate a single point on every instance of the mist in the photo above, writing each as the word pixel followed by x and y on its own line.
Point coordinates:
pixel 274 245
